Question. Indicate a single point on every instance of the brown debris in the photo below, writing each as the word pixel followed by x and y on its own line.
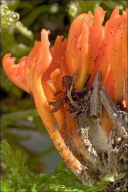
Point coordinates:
pixel 88 104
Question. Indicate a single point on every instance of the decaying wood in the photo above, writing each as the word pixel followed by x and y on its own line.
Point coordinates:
pixel 111 108
pixel 88 104
pixel 95 101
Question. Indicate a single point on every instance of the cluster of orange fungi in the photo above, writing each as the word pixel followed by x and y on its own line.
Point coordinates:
pixel 90 47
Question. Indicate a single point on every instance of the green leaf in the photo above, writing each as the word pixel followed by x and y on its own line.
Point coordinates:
pixel 11 118
pixel 8 86
pixel 23 30
pixel 11 4
pixel 20 177
pixel 6 186
pixel 62 179
pixel 78 7
pixel 8 17
pixel 31 17
pixel 114 4
pixel 101 185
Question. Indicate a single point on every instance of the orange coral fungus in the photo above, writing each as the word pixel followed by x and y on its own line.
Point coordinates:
pixel 66 80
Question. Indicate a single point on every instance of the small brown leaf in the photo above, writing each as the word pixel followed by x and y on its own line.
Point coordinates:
pixel 57 105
